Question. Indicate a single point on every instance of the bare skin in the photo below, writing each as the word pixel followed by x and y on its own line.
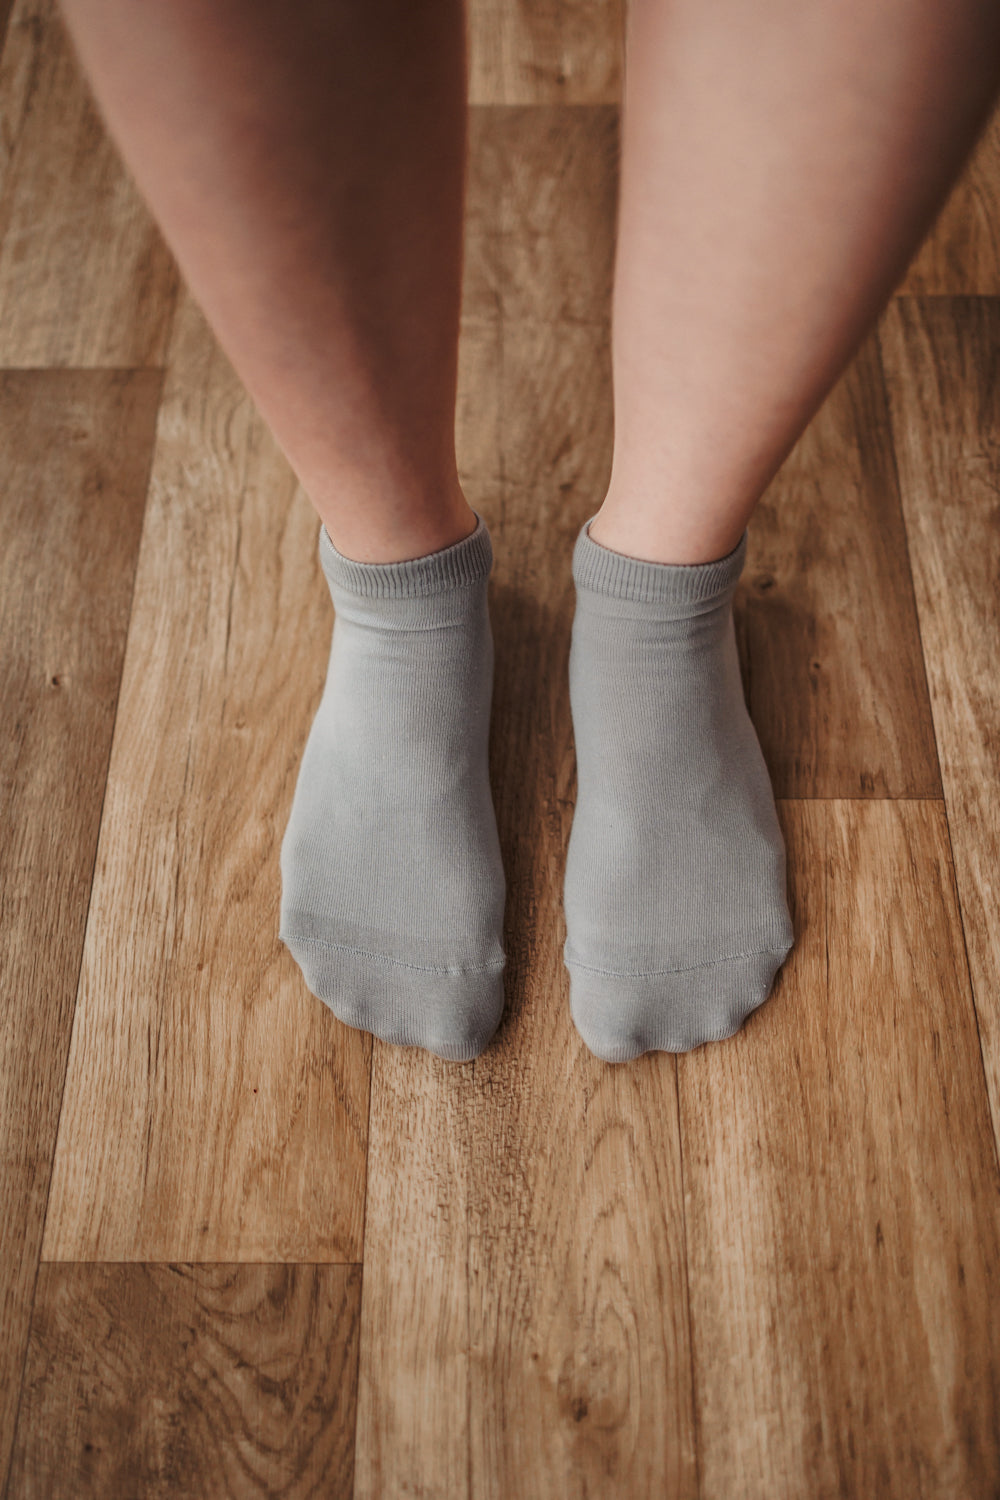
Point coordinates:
pixel 305 163
pixel 780 164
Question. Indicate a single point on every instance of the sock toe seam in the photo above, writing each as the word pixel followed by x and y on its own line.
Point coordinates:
pixel 494 966
pixel 711 963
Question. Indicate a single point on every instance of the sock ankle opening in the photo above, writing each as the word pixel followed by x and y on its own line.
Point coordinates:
pixel 617 575
pixel 461 563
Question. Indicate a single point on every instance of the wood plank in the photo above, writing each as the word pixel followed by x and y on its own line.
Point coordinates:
pixel 85 278
pixel 525 1321
pixel 168 1380
pixel 75 460
pixel 581 1371
pixel 841 1189
pixel 943 372
pixel 5 9
pixel 413 1379
pixel 962 251
pixel 581 1383
pixel 214 1109
pixel 545 51
pixel 539 215
pixel 524 1328
pixel 833 670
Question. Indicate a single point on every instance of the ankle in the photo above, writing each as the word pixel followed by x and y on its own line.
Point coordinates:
pixel 666 533
pixel 399 531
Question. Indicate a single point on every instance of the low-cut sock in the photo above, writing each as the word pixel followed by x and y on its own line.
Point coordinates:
pixel 392 882
pixel 674 894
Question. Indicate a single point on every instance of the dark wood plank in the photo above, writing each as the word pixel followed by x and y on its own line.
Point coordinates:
pixel 85 278
pixel 202 1381
pixel 5 9
pixel 942 361
pixel 214 1109
pixel 841 1189
pixel 74 455
pixel 833 669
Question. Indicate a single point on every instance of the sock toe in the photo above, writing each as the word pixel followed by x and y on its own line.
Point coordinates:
pixel 621 1016
pixel 452 1013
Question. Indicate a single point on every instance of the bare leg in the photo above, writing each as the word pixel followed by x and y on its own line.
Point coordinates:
pixel 780 163
pixel 306 165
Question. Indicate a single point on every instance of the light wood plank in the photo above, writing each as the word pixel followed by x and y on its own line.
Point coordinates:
pixel 413 1380
pixel 941 362
pixel 525 1320
pixel 524 1328
pixel 545 51
pixel 962 251
pixel 214 1109
pixel 195 1381
pixel 75 460
pixel 842 1205
pixel 578 1311
pixel 85 278
pixel 581 1375
pixel 825 615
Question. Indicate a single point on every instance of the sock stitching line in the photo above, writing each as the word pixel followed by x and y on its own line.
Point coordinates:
pixel 711 963
pixel 384 958
pixel 438 593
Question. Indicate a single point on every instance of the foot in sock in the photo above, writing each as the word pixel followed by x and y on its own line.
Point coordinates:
pixel 392 883
pixel 676 917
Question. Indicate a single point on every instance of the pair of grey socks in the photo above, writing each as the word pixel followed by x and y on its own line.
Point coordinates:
pixel 392 882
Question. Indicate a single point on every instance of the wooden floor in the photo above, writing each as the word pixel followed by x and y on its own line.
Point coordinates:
pixel 244 1252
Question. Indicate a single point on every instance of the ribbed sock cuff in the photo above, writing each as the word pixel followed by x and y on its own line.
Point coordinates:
pixel 618 576
pixel 462 563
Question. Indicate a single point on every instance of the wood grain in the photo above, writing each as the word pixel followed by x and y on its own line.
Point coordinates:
pixel 524 1327
pixel 193 1024
pixel 833 669
pixel 545 51
pixel 841 1189
pixel 765 1268
pixel 85 278
pixel 578 1315
pixel 206 1382
pixel 961 254
pixel 942 363
pixel 540 213
pixel 413 1379
pixel 74 456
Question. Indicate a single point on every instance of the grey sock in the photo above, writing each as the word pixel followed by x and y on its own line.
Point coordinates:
pixel 392 883
pixel 676 917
